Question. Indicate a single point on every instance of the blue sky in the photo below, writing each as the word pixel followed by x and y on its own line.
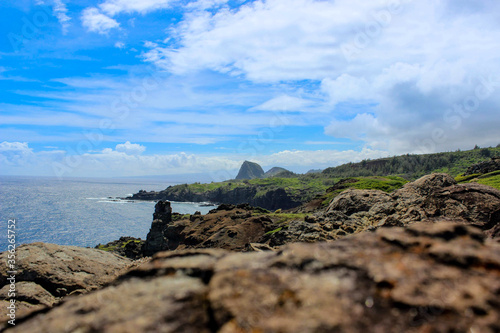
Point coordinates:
pixel 165 87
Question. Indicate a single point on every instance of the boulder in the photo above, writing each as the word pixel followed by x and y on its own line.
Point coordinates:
pixel 47 272
pixel 427 277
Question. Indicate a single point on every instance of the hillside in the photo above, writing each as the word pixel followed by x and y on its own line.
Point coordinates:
pixel 287 190
pixel 414 166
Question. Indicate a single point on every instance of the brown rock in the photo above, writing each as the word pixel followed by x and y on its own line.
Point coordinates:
pixel 428 277
pixel 228 227
pixel 63 269
pixel 435 196
pixel 47 272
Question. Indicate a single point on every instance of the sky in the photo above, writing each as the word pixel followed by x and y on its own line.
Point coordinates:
pixel 116 88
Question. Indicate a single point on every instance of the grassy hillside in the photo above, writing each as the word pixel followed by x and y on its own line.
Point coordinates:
pixel 415 166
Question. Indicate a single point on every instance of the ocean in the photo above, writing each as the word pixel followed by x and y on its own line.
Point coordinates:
pixel 81 211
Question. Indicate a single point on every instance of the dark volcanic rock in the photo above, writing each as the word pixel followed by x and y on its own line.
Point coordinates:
pixel 156 239
pixel 484 167
pixel 129 247
pixel 231 227
pixel 250 170
pixel 47 272
pixel 424 278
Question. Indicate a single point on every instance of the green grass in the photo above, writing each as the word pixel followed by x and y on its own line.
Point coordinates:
pixel 106 248
pixel 114 247
pixel 387 184
pixel 178 217
pixel 465 179
pixel 130 241
pixel 491 179
pixel 274 231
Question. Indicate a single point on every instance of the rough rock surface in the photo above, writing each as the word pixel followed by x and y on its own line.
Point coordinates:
pixel 435 196
pixel 484 167
pixel 427 277
pixel 48 272
pixel 156 238
pixel 228 227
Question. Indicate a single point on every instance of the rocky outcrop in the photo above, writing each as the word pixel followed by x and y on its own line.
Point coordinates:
pixel 484 167
pixel 157 238
pixel 228 227
pixel 48 272
pixel 435 196
pixel 250 170
pixel 435 277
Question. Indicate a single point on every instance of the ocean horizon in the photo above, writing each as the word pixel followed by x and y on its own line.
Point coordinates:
pixel 79 211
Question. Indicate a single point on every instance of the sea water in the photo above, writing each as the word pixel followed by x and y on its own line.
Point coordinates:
pixel 81 212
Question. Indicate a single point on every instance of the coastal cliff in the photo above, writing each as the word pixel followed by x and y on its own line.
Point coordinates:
pixel 255 195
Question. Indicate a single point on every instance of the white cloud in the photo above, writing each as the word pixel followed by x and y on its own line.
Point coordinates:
pixel 15 153
pixel 130 148
pixel 95 21
pixel 347 88
pixel 18 158
pixel 120 45
pixel 267 41
pixel 284 103
pixel 206 4
pixel 113 7
pixel 61 12
pixel 317 158
pixel 399 66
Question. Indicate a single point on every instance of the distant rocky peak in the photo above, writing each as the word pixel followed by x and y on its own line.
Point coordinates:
pixel 250 170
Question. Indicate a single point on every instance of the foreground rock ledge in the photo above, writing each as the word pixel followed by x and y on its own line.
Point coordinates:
pixel 48 272
pixel 428 277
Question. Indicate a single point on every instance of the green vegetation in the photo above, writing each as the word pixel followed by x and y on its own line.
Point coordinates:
pixel 106 248
pixel 113 246
pixel 415 166
pixel 177 217
pixel 491 179
pixel 274 231
pixel 280 218
pixel 386 184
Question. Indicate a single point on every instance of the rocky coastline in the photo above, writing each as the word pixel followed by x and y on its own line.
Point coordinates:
pixel 423 258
